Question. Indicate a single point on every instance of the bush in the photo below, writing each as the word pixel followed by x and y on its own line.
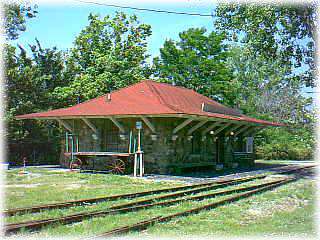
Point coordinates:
pixel 284 143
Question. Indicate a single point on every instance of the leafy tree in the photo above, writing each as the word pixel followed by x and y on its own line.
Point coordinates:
pixel 272 59
pixel 15 16
pixel 264 89
pixel 29 81
pixel 266 92
pixel 197 61
pixel 284 32
pixel 108 54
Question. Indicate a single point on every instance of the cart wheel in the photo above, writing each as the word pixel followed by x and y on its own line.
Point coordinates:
pixel 75 164
pixel 116 166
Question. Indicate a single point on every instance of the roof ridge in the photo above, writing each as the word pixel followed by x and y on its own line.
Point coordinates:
pixel 158 94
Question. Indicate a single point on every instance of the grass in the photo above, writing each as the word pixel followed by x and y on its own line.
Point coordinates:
pixel 45 186
pixel 102 206
pixel 286 210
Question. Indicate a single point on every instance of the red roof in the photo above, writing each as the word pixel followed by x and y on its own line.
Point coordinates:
pixel 149 98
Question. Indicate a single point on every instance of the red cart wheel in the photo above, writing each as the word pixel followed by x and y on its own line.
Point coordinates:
pixel 116 166
pixel 75 164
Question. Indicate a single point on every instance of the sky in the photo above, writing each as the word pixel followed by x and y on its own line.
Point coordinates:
pixel 58 24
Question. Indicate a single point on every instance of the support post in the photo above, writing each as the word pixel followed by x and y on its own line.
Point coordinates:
pixel 232 129
pixel 118 124
pixel 65 124
pixel 200 124
pixel 77 143
pixel 212 126
pixel 149 124
pixel 241 130
pixel 90 125
pixel 221 129
pixel 141 164
pixel 135 165
pixel 67 142
pixel 182 125
pixel 72 148
pixel 130 142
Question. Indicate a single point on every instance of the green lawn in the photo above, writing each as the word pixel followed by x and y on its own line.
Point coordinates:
pixel 287 210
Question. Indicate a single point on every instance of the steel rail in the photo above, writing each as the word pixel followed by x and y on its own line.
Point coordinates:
pixel 146 223
pixel 10 212
pixel 33 209
pixel 37 224
pixel 183 193
pixel 138 205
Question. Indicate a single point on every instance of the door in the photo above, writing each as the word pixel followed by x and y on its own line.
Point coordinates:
pixel 220 150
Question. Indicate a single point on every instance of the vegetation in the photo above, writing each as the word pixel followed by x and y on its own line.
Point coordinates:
pixel 287 210
pixel 272 59
pixel 108 54
pixel 294 144
pixel 15 18
pixel 197 61
pixel 282 32
pixel 257 63
pixel 29 82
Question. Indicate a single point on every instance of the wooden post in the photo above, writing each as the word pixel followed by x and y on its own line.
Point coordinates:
pixel 139 140
pixel 130 142
pixel 77 142
pixel 67 142
pixel 182 125
pixel 141 164
pixel 72 150
pixel 138 155
pixel 142 157
pixel 135 165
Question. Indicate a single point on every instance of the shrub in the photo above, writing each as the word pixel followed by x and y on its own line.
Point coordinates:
pixel 285 143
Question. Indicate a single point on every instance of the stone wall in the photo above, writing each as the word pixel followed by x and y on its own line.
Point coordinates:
pixel 162 154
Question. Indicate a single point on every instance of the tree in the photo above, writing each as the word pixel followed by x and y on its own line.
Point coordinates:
pixel 197 61
pixel 284 32
pixel 265 92
pixel 29 82
pixel 15 16
pixel 272 59
pixel 108 54
pixel 264 89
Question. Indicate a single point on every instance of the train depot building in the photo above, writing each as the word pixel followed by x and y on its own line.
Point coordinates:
pixel 153 127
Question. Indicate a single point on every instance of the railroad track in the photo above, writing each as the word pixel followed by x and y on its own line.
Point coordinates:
pixel 146 223
pixel 154 201
pixel 136 205
pixel 10 212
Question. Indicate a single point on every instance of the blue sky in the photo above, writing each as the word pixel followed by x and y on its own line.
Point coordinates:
pixel 59 24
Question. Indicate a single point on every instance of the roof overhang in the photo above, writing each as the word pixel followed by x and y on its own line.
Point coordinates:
pixel 195 117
